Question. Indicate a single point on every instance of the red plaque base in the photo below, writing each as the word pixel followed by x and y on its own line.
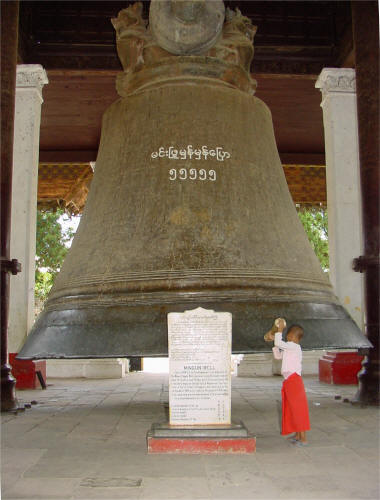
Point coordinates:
pixel 205 445
pixel 25 372
pixel 340 367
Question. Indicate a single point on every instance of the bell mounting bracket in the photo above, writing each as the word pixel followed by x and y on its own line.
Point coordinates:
pixel 10 266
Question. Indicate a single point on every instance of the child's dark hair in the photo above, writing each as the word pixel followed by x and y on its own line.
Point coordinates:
pixel 297 329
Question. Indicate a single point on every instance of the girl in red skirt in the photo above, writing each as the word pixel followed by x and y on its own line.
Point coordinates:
pixel 295 411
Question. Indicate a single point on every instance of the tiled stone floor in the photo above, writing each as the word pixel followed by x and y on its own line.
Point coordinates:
pixel 85 439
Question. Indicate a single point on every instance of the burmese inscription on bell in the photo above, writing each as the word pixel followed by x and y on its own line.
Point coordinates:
pixel 200 367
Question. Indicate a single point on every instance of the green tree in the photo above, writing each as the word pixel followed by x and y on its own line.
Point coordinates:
pixel 51 250
pixel 314 220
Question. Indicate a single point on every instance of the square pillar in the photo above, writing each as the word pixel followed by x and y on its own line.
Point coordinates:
pixel 30 80
pixel 343 186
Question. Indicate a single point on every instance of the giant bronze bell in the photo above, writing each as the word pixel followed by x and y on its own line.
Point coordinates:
pixel 189 204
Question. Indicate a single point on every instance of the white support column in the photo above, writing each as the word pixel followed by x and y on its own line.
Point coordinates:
pixel 29 83
pixel 343 185
pixel 256 365
pixel 265 365
pixel 87 368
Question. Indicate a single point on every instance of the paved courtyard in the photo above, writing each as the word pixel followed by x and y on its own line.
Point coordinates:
pixel 85 439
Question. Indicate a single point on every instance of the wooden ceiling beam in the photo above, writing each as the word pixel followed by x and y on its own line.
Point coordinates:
pixel 292 37
pixel 308 159
pixel 68 156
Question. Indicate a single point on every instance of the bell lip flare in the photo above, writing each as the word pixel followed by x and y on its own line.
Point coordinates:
pixel 130 331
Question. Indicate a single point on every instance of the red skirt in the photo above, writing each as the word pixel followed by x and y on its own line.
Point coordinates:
pixel 295 410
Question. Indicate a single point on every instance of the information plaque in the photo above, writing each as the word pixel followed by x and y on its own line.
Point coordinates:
pixel 200 367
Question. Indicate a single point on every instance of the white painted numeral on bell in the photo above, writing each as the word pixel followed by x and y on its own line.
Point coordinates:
pixel 183 174
pixel 202 174
pixel 192 174
pixel 172 174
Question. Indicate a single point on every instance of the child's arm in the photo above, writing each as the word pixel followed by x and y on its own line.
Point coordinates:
pixel 278 342
pixel 277 353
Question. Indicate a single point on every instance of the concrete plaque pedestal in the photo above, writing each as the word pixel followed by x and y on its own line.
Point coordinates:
pixel 200 388
pixel 201 439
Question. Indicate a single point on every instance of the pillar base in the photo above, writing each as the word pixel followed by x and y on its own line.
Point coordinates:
pixel 340 367
pixel 25 372
pixel 8 389
pixel 369 384
pixel 200 439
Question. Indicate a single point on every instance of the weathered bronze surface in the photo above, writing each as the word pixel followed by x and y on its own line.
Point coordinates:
pixel 188 207
pixel 186 27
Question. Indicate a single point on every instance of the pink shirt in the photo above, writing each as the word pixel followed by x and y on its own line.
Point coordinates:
pixel 291 355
